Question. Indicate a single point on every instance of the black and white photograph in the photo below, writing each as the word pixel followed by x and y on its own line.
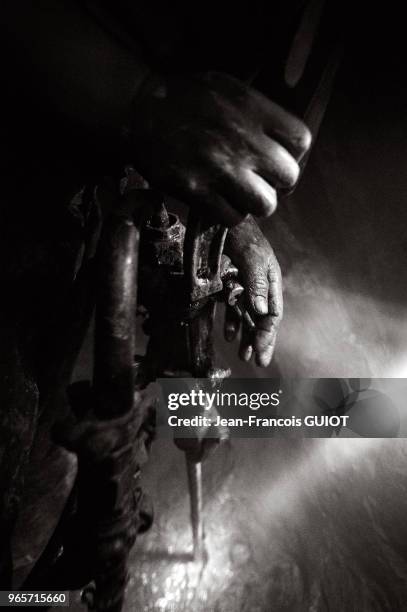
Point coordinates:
pixel 203 314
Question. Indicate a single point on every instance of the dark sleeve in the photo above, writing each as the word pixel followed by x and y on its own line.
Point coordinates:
pixel 61 58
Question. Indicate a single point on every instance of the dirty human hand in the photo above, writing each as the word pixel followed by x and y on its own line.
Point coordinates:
pixel 207 139
pixel 212 141
pixel 259 273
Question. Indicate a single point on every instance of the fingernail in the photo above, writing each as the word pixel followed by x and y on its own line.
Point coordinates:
pixel 260 305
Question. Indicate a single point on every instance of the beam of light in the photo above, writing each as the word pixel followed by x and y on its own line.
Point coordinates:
pixel 328 457
pixel 330 331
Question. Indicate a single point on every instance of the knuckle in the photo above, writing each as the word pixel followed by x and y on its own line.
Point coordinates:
pixel 259 287
pixel 260 277
pixel 260 280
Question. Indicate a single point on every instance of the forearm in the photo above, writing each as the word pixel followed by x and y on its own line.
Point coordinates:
pixel 78 69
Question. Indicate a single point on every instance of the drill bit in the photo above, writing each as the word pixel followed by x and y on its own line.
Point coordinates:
pixel 194 474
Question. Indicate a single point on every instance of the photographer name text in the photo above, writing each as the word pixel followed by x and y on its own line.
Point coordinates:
pixel 254 421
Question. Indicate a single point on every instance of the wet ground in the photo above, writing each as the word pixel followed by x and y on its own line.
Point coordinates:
pixel 291 526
